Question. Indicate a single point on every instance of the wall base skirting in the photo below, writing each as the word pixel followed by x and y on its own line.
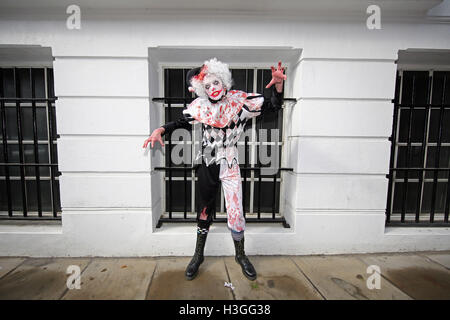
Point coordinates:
pixel 129 234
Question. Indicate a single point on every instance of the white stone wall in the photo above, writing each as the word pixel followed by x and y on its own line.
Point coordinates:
pixel 337 136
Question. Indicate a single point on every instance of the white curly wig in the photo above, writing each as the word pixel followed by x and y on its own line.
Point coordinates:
pixel 212 66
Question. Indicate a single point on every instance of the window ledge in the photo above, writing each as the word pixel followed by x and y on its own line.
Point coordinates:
pixel 251 228
pixel 394 231
pixel 23 226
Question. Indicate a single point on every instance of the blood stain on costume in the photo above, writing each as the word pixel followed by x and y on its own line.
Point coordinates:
pixel 203 215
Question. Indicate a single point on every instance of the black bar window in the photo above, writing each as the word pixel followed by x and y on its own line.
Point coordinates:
pixel 261 194
pixel 29 186
pixel 419 180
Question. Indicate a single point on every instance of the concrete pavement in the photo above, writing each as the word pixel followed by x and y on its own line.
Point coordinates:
pixel 404 276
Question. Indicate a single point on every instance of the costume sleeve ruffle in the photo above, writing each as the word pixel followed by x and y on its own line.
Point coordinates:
pixel 254 102
pixel 257 104
pixel 189 111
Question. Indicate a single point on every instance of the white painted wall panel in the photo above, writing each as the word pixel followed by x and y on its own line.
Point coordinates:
pixel 357 79
pixel 103 154
pixel 113 116
pixel 105 191
pixel 333 232
pixel 132 36
pixel 341 192
pixel 359 118
pixel 126 77
pixel 342 155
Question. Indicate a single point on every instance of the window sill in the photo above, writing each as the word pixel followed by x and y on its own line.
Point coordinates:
pixel 32 226
pixel 415 231
pixel 251 228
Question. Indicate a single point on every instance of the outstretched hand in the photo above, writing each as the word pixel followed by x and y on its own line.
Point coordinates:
pixel 277 77
pixel 155 137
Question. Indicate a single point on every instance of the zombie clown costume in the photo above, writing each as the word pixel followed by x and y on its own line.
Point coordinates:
pixel 223 114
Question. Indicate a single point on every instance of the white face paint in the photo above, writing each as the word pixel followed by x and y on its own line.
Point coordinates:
pixel 213 87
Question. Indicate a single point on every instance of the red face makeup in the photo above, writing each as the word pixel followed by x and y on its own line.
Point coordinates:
pixel 216 93
pixel 213 87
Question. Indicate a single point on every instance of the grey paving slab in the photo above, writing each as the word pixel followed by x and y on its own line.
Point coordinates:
pixel 8 264
pixel 278 279
pixel 169 281
pixel 40 278
pixel 345 277
pixel 441 258
pixel 114 279
pixel 414 275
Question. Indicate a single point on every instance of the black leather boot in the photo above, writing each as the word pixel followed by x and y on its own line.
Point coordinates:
pixel 197 259
pixel 247 268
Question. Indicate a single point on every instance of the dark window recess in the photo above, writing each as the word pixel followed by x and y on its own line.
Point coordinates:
pixel 261 193
pixel 29 185
pixel 419 180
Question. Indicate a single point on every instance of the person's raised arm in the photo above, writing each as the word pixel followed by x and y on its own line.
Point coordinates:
pixel 275 99
pixel 278 78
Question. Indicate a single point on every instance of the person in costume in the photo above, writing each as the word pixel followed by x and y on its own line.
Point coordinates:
pixel 223 113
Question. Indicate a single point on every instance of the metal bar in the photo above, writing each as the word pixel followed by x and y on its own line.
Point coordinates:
pixel 242 169
pixel 50 143
pixel 185 165
pixel 420 169
pixel 422 106
pixel 13 141
pixel 428 111
pixel 261 119
pixel 45 218
pixel 408 149
pixel 170 165
pixel 422 153
pixel 274 194
pixel 5 146
pixel 438 153
pixel 27 99
pixel 244 189
pixel 417 224
pixel 447 200
pixel 259 193
pixel 393 139
pixel 281 220
pixel 16 164
pixel 190 99
pixel 246 80
pixel 36 150
pixel 20 138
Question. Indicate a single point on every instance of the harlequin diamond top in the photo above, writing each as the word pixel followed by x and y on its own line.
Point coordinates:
pixel 223 123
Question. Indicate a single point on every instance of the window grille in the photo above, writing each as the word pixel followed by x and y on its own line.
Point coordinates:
pixel 29 186
pixel 419 180
pixel 261 193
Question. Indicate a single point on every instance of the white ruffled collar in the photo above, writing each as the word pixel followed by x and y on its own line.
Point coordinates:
pixel 217 114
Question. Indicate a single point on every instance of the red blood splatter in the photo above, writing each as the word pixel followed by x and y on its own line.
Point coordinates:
pixel 202 73
pixel 203 215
